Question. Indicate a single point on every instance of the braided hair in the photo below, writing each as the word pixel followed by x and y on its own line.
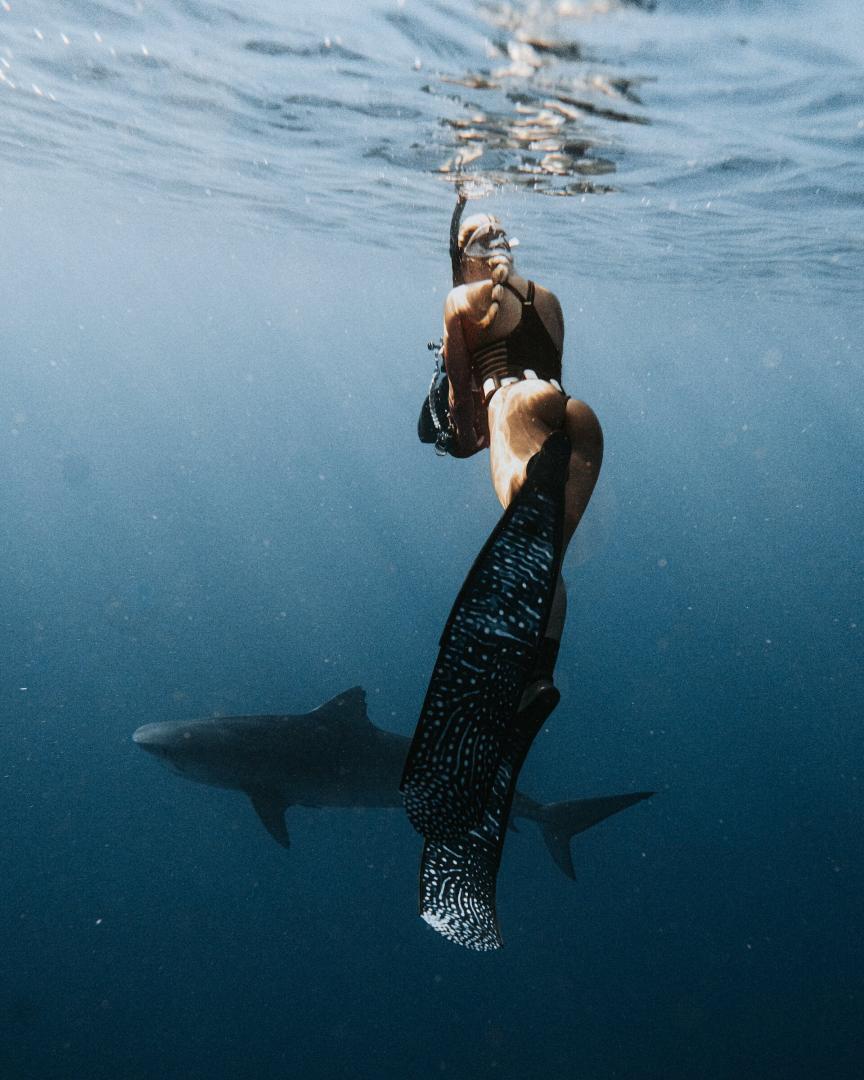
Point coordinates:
pixel 500 263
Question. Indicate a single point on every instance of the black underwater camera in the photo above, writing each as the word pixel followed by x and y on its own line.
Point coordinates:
pixel 434 425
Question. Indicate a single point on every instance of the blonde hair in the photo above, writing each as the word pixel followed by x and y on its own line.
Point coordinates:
pixel 500 263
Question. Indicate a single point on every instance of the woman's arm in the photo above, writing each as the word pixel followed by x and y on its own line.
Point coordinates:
pixel 463 398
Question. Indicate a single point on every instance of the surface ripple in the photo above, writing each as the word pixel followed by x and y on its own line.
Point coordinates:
pixel 716 144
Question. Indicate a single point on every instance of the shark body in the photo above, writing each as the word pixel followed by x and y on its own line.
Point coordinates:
pixel 330 757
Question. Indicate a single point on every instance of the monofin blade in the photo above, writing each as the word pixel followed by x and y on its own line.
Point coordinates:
pixel 458 878
pixel 487 651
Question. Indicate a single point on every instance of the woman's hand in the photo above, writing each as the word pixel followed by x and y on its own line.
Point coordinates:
pixel 464 448
pixel 470 424
pixel 467 414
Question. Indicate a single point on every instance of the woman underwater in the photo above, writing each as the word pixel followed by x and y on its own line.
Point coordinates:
pixel 503 339
pixel 492 687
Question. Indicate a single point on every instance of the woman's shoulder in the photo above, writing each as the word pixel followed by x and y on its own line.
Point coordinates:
pixel 546 298
pixel 468 298
pixel 544 293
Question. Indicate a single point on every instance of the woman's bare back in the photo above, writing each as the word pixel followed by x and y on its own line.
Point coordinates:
pixel 472 301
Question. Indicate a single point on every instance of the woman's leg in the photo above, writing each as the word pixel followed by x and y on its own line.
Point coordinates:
pixel 521 418
pixel 519 428
pixel 586 457
pixel 586 440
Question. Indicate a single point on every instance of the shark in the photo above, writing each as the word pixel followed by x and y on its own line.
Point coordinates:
pixel 333 756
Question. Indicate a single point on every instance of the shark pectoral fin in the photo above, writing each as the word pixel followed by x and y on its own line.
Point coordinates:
pixel 271 808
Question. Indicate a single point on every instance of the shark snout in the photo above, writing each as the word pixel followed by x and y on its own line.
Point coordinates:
pixel 152 737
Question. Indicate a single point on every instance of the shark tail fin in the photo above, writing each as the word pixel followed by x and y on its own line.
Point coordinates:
pixel 561 821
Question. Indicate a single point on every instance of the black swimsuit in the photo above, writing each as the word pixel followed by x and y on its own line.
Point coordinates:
pixel 527 352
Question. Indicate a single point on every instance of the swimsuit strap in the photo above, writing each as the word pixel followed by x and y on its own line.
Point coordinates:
pixel 523 300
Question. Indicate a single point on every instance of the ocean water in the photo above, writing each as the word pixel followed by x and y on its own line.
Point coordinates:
pixel 224 241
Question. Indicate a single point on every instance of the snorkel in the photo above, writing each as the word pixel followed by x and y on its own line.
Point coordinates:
pixel 455 252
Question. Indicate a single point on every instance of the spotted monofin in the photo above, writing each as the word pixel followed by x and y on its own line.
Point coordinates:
pixel 488 650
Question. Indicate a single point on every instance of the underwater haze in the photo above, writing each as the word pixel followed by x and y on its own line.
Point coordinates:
pixel 224 240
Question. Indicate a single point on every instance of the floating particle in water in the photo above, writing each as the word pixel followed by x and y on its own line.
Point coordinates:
pixel 76 469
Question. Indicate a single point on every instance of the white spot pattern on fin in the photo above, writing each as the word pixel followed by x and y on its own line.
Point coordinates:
pixel 458 878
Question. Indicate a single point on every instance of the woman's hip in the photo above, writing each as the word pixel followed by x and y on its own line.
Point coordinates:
pixel 527 405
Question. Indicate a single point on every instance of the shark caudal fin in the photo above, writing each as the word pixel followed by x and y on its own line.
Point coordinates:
pixel 560 821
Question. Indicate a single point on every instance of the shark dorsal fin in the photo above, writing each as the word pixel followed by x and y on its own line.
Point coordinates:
pixel 270 808
pixel 349 707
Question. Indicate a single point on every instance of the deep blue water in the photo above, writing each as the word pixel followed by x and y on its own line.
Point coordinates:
pixel 224 248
